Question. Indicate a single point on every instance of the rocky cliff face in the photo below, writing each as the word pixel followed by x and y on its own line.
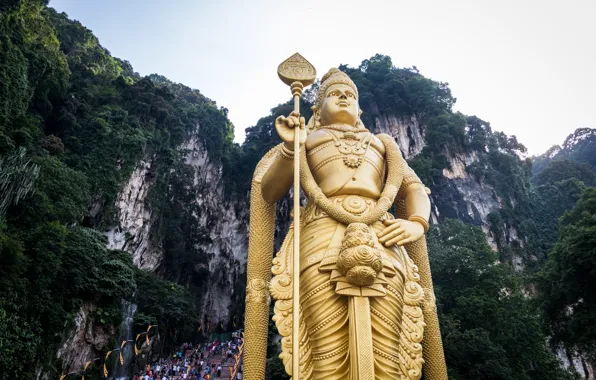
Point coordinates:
pixel 226 221
pixel 132 234
pixel 407 132
pixel 464 197
pixel 137 232
pixel 576 362
pixel 86 340
pixel 460 195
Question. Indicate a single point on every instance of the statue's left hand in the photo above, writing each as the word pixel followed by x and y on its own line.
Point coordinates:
pixel 400 232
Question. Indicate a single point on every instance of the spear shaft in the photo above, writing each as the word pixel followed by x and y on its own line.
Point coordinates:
pixel 296 72
pixel 296 255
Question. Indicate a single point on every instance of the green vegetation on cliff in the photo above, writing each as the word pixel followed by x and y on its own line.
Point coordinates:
pixel 568 279
pixel 74 123
pixel 490 328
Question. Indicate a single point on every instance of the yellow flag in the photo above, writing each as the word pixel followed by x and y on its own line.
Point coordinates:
pixel 105 369
pixel 121 349
pixel 147 336
pixel 85 369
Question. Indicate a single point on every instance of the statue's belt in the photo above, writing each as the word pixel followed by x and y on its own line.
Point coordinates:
pixel 392 261
pixel 354 204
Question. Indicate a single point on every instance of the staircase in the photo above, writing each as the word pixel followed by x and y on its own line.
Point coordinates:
pixel 228 363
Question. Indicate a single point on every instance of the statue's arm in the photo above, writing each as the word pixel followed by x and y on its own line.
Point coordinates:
pixel 413 211
pixel 416 200
pixel 278 178
pixel 413 192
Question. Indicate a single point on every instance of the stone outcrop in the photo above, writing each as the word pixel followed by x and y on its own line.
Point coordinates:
pixel 226 221
pixel 134 216
pixel 86 340
pixel 577 363
pixel 407 132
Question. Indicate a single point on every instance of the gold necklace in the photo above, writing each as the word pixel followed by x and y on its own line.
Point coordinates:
pixel 351 147
pixel 343 128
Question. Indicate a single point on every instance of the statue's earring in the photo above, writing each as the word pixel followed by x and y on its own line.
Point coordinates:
pixel 359 121
pixel 317 116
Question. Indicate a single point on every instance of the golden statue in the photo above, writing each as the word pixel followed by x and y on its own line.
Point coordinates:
pixel 367 306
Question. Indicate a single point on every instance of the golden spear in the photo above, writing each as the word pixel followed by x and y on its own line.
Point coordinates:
pixel 297 73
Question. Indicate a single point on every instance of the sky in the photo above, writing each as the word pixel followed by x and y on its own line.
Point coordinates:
pixel 528 67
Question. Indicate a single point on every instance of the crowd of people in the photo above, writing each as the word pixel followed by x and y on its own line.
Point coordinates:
pixel 208 361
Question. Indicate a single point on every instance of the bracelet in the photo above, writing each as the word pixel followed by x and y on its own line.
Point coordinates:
pixel 421 220
pixel 286 153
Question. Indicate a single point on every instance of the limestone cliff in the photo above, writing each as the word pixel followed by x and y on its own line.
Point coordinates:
pixel 225 219
pixel 134 216
pixel 458 194
pixel 138 230
pixel 221 217
pixel 407 132
pixel 86 340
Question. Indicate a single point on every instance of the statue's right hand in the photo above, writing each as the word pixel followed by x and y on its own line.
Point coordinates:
pixel 285 127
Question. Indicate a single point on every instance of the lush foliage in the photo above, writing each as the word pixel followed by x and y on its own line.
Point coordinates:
pixel 561 170
pixel 579 146
pixel 385 89
pixel 45 278
pixel 74 123
pixel 568 279
pixel 490 329
pixel 165 304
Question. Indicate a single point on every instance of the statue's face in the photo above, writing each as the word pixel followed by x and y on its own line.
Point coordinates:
pixel 340 106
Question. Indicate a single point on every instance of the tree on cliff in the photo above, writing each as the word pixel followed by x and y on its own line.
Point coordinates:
pixel 568 279
pixel 490 329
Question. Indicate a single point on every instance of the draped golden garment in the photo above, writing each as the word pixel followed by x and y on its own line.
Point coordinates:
pixel 396 318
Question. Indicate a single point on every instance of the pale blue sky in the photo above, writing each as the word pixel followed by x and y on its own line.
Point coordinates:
pixel 526 66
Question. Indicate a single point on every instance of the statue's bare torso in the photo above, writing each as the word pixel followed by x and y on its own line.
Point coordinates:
pixel 330 170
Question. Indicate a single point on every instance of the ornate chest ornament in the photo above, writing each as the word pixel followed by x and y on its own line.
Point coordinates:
pixel 352 147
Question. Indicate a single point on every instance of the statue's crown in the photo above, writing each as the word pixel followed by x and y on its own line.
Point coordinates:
pixel 333 76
